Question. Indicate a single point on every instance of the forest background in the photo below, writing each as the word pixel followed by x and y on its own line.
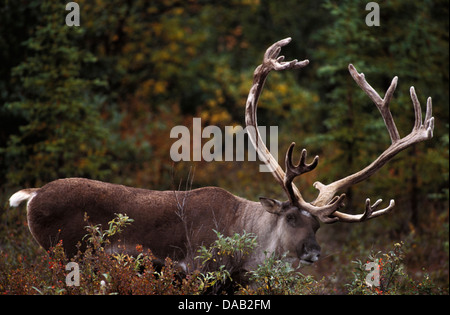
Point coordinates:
pixel 99 101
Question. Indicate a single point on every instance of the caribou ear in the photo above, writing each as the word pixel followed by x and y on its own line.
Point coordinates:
pixel 271 205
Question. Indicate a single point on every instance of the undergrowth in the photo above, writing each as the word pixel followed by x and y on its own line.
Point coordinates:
pixel 218 269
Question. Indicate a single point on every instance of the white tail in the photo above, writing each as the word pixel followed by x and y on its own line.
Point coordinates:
pixel 21 195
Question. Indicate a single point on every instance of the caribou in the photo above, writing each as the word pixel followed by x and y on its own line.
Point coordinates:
pixel 174 223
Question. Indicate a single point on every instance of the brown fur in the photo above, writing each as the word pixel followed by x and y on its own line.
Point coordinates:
pixel 169 223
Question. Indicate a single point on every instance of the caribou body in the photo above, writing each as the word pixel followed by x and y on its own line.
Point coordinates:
pixel 169 223
pixel 174 223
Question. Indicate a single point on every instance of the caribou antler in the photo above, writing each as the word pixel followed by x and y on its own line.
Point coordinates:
pixel 273 62
pixel 421 131
pixel 326 204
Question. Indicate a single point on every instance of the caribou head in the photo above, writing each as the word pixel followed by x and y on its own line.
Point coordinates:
pixel 175 223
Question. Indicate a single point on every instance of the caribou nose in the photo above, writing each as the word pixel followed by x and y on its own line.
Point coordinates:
pixel 310 255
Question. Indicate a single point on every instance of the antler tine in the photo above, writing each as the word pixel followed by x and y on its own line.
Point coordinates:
pixel 382 104
pixel 429 119
pixel 302 167
pixel 428 124
pixel 369 213
pixel 294 171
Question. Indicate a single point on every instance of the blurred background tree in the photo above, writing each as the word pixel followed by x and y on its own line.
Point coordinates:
pixel 99 100
pixel 60 134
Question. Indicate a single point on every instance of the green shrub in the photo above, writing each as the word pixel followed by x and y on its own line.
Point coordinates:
pixel 223 259
pixel 393 279
pixel 218 271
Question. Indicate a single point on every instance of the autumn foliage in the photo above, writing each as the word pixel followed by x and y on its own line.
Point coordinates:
pixel 99 101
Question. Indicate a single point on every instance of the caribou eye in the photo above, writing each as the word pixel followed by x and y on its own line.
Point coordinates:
pixel 290 218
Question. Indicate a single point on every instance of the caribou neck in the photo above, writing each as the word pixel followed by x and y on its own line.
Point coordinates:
pixel 255 219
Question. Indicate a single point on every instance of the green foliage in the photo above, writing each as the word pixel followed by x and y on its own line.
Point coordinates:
pixel 99 237
pixel 100 273
pixel 274 276
pixel 222 259
pixel 61 136
pixel 120 273
pixel 393 279
pixel 236 246
pixel 277 276
pixel 99 101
